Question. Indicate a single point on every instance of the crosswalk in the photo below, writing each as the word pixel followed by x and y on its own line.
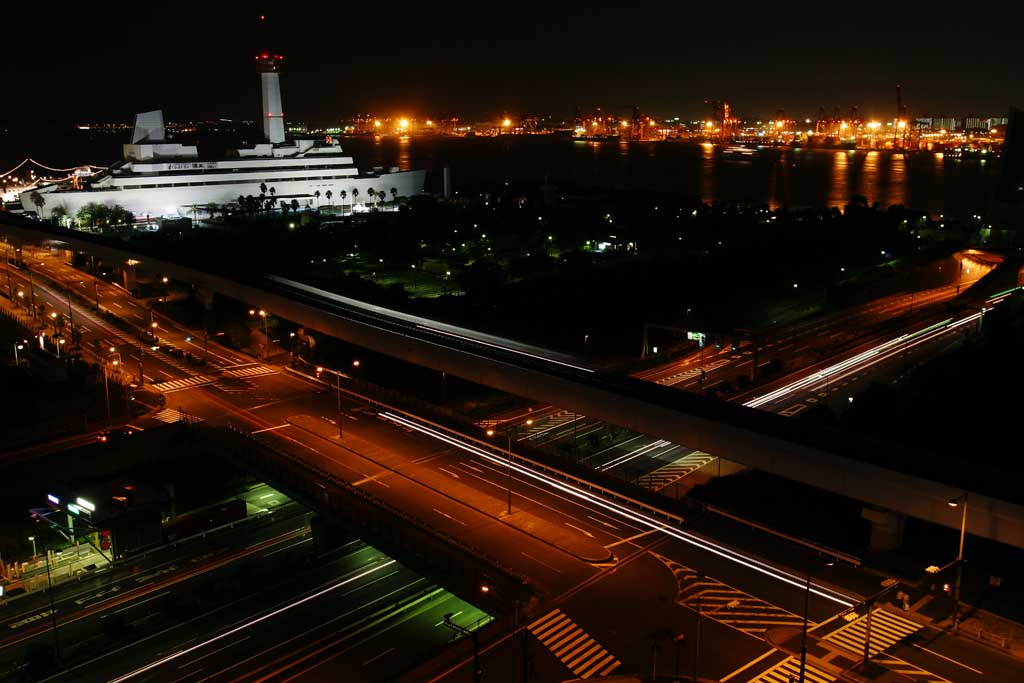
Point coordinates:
pixel 887 629
pixel 725 604
pixel 171 386
pixel 674 471
pixel 693 372
pixel 788 670
pixel 580 653
pixel 908 670
pixel 252 371
pixel 547 427
pixel 172 415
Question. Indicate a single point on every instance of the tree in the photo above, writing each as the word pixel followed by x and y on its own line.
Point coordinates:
pixel 295 205
pixel 58 215
pixel 373 194
pixel 39 201
pixel 394 194
pixel 317 195
pixel 355 194
pixel 329 194
pixel 284 207
pixel 263 188
pixel 273 191
pixel 343 194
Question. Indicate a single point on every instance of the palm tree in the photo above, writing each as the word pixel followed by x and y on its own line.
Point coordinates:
pixel 329 194
pixel 355 195
pixel 342 194
pixel 273 191
pixel 295 206
pixel 284 207
pixel 394 194
pixel 263 188
pixel 373 194
pixel 317 195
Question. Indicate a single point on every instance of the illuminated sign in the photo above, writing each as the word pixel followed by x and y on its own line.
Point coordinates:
pixel 86 504
pixel 74 509
pixel 52 499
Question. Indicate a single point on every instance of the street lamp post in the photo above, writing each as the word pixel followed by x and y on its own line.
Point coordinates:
pixel 17 347
pixel 509 432
pixel 476 643
pixel 341 429
pixel 33 539
pixel 803 640
pixel 679 640
pixel 960 501
pixel 154 327
pixel 585 338
pixel 266 336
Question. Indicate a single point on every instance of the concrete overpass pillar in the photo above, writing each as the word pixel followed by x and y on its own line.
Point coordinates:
pixel 129 277
pixel 328 534
pixel 886 528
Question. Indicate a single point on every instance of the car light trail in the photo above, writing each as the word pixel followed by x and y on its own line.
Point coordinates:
pixel 507 349
pixel 249 624
pixel 627 513
pixel 424 324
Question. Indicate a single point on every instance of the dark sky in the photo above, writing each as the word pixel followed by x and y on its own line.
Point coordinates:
pixel 105 61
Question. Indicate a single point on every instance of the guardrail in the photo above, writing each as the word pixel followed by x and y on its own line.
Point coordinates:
pixel 810 545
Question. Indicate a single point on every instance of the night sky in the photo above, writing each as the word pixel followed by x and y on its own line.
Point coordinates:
pixel 106 61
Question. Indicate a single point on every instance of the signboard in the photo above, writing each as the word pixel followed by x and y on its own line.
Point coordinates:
pixel 191 165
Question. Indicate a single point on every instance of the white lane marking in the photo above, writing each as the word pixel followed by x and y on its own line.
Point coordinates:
pixel 270 429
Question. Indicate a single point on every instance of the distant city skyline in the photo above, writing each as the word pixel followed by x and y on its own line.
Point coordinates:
pixel 430 60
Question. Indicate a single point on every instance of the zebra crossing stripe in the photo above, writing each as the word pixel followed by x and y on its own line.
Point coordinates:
pixel 580 653
pixel 909 670
pixel 171 415
pixel 674 471
pixel 693 372
pixel 887 629
pixel 252 372
pixel 788 670
pixel 181 384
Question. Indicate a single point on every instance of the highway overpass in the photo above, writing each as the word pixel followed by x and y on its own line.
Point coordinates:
pixel 840 463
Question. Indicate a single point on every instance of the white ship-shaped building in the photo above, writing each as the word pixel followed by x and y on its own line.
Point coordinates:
pixel 160 178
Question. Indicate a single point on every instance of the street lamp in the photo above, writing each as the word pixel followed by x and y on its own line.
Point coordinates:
pixel 17 347
pixel 959 501
pixel 266 335
pixel 156 340
pixel 33 539
pixel 508 433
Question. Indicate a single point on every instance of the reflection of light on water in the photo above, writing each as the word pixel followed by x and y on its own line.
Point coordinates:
pixel 869 177
pixel 839 186
pixel 897 185
pixel 707 168
pixel 778 183
pixel 404 159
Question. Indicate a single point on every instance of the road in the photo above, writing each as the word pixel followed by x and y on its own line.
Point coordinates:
pixel 575 547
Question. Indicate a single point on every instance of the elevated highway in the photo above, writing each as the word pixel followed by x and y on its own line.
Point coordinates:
pixel 841 463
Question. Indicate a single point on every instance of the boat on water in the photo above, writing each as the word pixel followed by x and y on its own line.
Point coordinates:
pixel 738 152
pixel 160 178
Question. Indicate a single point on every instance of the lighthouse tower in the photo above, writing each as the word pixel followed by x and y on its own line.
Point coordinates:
pixel 273 117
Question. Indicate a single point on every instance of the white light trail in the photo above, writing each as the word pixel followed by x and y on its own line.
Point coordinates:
pixel 248 624
pixel 629 514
